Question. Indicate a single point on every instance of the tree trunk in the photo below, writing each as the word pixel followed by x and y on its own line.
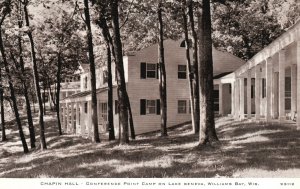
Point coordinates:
pixel 12 92
pixel 2 109
pixel 189 66
pixel 122 93
pixel 36 80
pixel 25 90
pixel 111 128
pixel 207 122
pixel 131 125
pixel 195 68
pixel 96 137
pixel 44 97
pixel 50 97
pixel 58 81
pixel 105 32
pixel 109 40
pixel 162 74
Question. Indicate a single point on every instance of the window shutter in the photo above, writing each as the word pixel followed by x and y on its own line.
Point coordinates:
pixel 143 106
pixel 143 70
pixel 157 70
pixel 158 107
pixel 116 107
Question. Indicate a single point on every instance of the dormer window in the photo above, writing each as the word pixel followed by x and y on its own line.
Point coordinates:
pixel 148 70
pixel 182 44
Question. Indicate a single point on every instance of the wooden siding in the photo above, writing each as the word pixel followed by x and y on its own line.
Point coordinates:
pixel 177 89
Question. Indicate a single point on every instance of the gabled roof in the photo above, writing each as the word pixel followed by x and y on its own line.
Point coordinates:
pixel 221 75
pixel 223 62
pixel 84 67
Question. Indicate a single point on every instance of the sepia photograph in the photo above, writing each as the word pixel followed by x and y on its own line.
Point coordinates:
pixel 150 94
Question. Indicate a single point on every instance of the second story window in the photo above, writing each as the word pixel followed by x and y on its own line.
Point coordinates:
pixel 181 71
pixel 105 76
pixel 148 70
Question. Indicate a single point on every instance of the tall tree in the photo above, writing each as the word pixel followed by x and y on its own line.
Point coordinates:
pixel 58 81
pixel 195 69
pixel 162 72
pixel 96 137
pixel 207 132
pixel 122 92
pixel 59 55
pixel 105 32
pixel 25 89
pixel 188 62
pixel 3 133
pixel 104 16
pixel 5 9
pixel 35 76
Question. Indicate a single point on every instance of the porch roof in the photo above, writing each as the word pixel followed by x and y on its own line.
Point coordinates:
pixel 86 93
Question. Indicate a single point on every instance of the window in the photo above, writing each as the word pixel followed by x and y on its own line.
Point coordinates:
pixel 182 106
pixel 252 88
pixel 216 100
pixel 288 93
pixel 181 71
pixel 105 76
pixel 79 116
pixel 149 106
pixel 263 88
pixel 85 82
pixel 148 70
pixel 182 44
pixel 85 107
pixel 190 107
pixel 103 111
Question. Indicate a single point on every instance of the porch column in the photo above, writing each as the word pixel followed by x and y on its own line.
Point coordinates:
pixel 293 88
pixel 63 112
pixel 269 71
pixel 242 98
pixel 82 123
pixel 249 94
pixel 71 130
pixel 237 98
pixel 298 83
pixel 66 126
pixel 221 112
pixel 275 95
pixel 257 91
pixel 89 117
pixel 232 98
pixel 77 117
pixel 281 85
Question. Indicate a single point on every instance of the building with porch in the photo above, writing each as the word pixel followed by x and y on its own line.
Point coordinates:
pixel 268 85
pixel 141 76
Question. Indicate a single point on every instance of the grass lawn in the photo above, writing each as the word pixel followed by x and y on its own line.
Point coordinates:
pixel 245 150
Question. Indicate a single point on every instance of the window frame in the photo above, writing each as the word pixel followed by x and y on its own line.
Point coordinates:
pixel 153 70
pixel 181 72
pixel 152 106
pixel 105 77
pixel 183 107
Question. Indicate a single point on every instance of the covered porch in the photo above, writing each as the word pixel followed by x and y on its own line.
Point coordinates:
pixel 268 85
